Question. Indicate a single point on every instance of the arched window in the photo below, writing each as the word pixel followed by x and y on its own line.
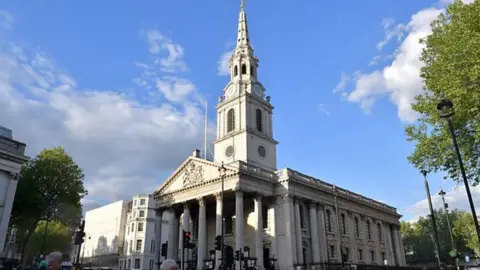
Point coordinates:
pixel 369 230
pixel 258 114
pixel 230 120
pixel 244 69
pixel 344 224
pixel 329 220
pixel 379 232
pixel 252 71
pixel 235 71
pixel 357 227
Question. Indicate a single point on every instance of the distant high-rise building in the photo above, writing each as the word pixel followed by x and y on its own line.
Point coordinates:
pixel 12 156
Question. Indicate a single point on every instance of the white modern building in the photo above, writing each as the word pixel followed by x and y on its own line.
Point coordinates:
pixel 274 216
pixel 12 156
pixel 121 235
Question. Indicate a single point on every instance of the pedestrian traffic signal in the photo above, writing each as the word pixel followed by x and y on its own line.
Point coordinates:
pixel 237 255
pixel 80 234
pixel 164 249
pixel 186 240
pixel 218 242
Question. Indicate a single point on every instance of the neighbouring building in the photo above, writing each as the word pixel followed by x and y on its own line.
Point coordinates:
pixel 121 235
pixel 271 215
pixel 12 156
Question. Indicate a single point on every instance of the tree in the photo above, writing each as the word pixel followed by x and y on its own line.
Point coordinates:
pixel 50 189
pixel 451 70
pixel 464 230
pixel 417 237
pixel 59 237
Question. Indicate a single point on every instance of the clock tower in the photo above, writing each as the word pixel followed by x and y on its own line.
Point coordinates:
pixel 244 113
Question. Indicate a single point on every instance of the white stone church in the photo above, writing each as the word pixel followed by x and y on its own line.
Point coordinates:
pixel 276 216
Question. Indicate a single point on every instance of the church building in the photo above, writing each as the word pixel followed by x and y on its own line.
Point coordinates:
pixel 273 216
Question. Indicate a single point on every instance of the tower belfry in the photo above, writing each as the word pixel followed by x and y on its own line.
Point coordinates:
pixel 244 113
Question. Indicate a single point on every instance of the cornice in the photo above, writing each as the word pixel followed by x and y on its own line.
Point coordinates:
pixel 14 158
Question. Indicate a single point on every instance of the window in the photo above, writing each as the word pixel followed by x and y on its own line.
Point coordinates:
pixel 139 245
pixel 128 230
pixel 265 217
pixel 244 69
pixel 360 255
pixel 228 225
pixel 132 228
pixel 231 120
pixel 152 246
pixel 357 227
pixel 380 238
pixel 131 248
pixel 155 227
pixel 331 251
pixel 302 217
pixel 235 71
pixel 252 72
pixel 372 255
pixel 141 214
pixel 137 263
pixel 129 263
pixel 142 201
pixel 151 264
pixel 369 230
pixel 140 227
pixel 347 253
pixel 125 247
pixel 329 220
pixel 383 257
pixel 344 224
pixel 125 264
pixel 258 113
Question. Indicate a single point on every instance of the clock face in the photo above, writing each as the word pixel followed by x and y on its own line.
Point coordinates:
pixel 257 89
pixel 231 90
pixel 262 151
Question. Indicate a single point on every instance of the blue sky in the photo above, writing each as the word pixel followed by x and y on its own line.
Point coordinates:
pixel 121 85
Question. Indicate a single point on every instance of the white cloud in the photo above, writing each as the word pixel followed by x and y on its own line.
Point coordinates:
pixel 456 199
pixel 342 84
pixel 323 109
pixel 175 89
pixel 6 20
pixel 159 43
pixel 123 145
pixel 223 64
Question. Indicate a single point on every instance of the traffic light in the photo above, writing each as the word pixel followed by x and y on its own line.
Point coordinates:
pixel 80 234
pixel 237 255
pixel 186 240
pixel 164 249
pixel 218 242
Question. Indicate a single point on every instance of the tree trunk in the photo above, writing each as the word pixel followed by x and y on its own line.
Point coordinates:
pixel 23 257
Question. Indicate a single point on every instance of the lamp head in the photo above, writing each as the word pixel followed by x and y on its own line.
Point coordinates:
pixel 442 193
pixel 424 172
pixel 445 108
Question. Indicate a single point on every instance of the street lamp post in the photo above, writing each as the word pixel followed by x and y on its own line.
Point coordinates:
pixel 445 108
pixel 434 223
pixel 222 170
pixel 454 252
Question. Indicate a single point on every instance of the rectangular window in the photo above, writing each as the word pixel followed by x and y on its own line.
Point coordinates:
pixel 372 255
pixel 131 248
pixel 383 257
pixel 137 263
pixel 140 227
pixel 141 214
pixel 151 264
pixel 302 216
pixel 139 246
pixel 360 255
pixel 142 201
pixel 228 225
pixel 332 251
pixel 152 246
pixel 129 264
pixel 347 253
pixel 132 229
pixel 265 217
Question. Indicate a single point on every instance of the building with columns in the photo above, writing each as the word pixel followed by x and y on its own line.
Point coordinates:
pixel 12 156
pixel 277 216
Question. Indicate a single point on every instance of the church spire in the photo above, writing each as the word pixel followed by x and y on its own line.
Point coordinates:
pixel 242 36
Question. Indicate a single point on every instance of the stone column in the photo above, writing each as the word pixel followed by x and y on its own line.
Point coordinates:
pixel 353 236
pixel 390 253
pixel 259 231
pixel 171 254
pixel 298 233
pixel 314 233
pixel 397 247
pixel 202 233
pixel 401 250
pixel 158 235
pixel 7 207
pixel 286 259
pixel 185 227
pixel 239 220
pixel 322 234
pixel 218 226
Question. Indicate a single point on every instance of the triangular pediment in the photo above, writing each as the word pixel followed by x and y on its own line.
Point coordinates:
pixel 193 171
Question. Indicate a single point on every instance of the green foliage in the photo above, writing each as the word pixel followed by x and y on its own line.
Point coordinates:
pixel 50 188
pixel 58 238
pixel 451 70
pixel 464 230
pixel 417 236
